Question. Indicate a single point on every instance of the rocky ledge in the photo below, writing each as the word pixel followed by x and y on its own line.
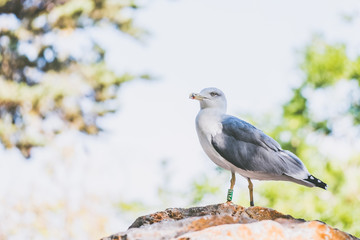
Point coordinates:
pixel 226 221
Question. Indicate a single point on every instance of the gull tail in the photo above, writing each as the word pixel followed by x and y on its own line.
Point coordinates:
pixel 316 182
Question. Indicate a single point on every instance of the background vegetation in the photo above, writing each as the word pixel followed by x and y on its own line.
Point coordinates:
pixel 314 120
pixel 320 126
pixel 53 75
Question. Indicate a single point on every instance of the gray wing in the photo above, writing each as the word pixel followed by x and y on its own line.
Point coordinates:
pixel 250 149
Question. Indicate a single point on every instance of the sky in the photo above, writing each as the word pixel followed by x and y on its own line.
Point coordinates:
pixel 248 49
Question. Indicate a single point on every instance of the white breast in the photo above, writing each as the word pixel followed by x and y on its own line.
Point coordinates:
pixel 208 124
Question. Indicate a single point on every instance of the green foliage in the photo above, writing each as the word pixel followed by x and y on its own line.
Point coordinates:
pixel 131 206
pixel 355 70
pixel 46 87
pixel 337 207
pixel 324 65
pixel 201 188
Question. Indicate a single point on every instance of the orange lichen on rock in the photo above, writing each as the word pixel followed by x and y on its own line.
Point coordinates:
pixel 227 221
pixel 261 213
pixel 210 221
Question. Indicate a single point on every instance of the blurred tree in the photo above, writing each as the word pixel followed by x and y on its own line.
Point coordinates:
pixel 324 66
pixel 313 116
pixel 53 76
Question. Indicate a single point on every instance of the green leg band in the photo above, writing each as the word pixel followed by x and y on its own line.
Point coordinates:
pixel 230 195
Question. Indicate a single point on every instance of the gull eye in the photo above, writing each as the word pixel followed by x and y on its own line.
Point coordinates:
pixel 213 94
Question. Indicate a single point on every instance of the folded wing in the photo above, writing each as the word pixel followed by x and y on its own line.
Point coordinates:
pixel 250 149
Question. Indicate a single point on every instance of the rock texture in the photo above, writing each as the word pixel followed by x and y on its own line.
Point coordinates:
pixel 226 221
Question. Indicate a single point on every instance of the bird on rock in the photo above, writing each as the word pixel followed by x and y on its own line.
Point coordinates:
pixel 239 147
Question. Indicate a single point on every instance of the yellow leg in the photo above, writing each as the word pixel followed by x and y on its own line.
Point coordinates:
pixel 230 191
pixel 251 192
pixel 232 181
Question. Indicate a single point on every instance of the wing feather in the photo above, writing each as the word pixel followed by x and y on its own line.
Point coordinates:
pixel 246 132
pixel 250 149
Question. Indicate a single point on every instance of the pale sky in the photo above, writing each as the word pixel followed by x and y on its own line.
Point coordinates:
pixel 247 49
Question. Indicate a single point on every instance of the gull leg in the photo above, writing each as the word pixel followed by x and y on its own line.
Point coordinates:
pixel 232 181
pixel 251 192
pixel 230 191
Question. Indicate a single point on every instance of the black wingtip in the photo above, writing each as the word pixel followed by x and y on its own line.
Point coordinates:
pixel 317 182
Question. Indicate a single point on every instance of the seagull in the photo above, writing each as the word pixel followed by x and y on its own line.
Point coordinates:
pixel 239 147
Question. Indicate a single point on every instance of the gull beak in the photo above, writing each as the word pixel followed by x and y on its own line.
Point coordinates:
pixel 196 96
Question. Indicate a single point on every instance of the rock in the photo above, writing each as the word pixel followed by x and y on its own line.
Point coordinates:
pixel 226 221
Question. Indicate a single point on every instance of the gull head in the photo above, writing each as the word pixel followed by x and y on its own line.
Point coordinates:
pixel 210 98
